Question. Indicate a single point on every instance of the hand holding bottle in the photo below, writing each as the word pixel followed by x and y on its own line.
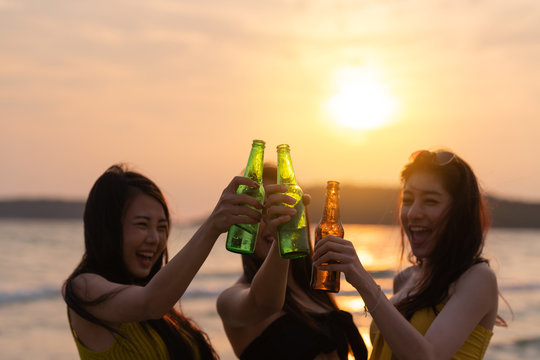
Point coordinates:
pixel 242 237
pixel 231 208
pixel 275 212
pixel 333 253
pixel 293 235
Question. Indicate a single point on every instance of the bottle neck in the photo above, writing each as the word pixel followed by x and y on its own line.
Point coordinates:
pixel 254 168
pixel 285 171
pixel 331 207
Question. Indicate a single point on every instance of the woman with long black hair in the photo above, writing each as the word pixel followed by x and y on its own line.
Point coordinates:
pixel 445 304
pixel 121 297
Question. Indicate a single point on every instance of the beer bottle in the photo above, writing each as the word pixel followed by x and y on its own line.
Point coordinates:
pixel 293 235
pixel 241 238
pixel 330 224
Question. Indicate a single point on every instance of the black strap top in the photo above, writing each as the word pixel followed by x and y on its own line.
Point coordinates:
pixel 289 338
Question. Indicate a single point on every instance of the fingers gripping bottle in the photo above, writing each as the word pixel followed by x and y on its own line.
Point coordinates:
pixel 241 238
pixel 330 224
pixel 293 235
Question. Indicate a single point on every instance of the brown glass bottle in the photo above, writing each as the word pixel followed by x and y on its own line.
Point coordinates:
pixel 330 224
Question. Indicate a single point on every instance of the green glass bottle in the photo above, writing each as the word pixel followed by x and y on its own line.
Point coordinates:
pixel 241 238
pixel 293 235
pixel 330 224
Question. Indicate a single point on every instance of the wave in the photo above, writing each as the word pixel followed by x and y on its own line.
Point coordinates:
pixel 8 297
pixel 532 342
pixel 383 274
pixel 29 295
pixel 520 287
pixel 219 275
pixel 210 287
pixel 20 296
pixel 520 345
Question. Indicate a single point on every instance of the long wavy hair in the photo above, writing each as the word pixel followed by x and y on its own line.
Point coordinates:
pixel 460 241
pixel 103 238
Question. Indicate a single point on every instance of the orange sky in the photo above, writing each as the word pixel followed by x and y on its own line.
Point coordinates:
pixel 179 90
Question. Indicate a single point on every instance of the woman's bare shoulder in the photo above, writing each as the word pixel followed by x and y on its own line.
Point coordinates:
pixel 402 277
pixel 231 292
pixel 479 275
pixel 89 286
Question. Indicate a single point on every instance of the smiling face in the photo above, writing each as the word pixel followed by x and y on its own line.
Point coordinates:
pixel 424 205
pixel 145 232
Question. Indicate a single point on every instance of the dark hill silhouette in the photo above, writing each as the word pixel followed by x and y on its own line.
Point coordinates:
pixel 359 205
pixel 41 209
pixel 379 205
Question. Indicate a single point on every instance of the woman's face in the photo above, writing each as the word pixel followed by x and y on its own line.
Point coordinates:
pixel 145 230
pixel 424 205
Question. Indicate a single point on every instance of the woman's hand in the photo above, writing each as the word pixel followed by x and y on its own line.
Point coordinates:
pixel 275 212
pixel 336 254
pixel 231 207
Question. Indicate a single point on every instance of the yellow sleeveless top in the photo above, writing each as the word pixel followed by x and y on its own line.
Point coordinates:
pixel 139 344
pixel 474 347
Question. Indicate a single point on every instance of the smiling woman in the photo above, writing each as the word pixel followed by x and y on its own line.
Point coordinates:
pixel 122 296
pixel 362 101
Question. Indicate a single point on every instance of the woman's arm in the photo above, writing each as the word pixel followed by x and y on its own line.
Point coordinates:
pixel 474 298
pixel 246 304
pixel 137 303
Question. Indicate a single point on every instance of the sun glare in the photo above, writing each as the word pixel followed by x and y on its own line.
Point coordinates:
pixel 362 101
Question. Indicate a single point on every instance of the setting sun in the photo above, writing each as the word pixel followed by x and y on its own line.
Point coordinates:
pixel 362 101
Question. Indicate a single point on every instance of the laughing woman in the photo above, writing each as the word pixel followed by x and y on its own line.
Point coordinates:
pixel 121 296
pixel 445 305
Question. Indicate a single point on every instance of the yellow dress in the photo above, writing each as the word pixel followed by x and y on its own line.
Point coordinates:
pixel 474 347
pixel 138 344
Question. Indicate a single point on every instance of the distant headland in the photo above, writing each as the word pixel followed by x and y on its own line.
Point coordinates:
pixel 379 205
pixel 41 209
pixel 359 205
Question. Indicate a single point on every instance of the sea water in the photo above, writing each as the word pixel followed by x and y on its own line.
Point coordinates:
pixel 37 255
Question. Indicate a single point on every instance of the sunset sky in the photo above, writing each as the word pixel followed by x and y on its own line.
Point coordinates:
pixel 179 89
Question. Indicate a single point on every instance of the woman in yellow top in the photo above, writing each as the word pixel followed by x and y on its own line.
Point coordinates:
pixel 444 306
pixel 121 296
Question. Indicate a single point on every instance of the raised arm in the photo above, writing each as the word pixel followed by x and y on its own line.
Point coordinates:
pixel 245 304
pixel 473 301
pixel 137 303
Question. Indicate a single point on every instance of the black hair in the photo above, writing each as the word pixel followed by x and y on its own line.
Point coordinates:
pixel 460 242
pixel 103 238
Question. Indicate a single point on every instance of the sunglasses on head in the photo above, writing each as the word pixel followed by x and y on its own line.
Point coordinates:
pixel 440 157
